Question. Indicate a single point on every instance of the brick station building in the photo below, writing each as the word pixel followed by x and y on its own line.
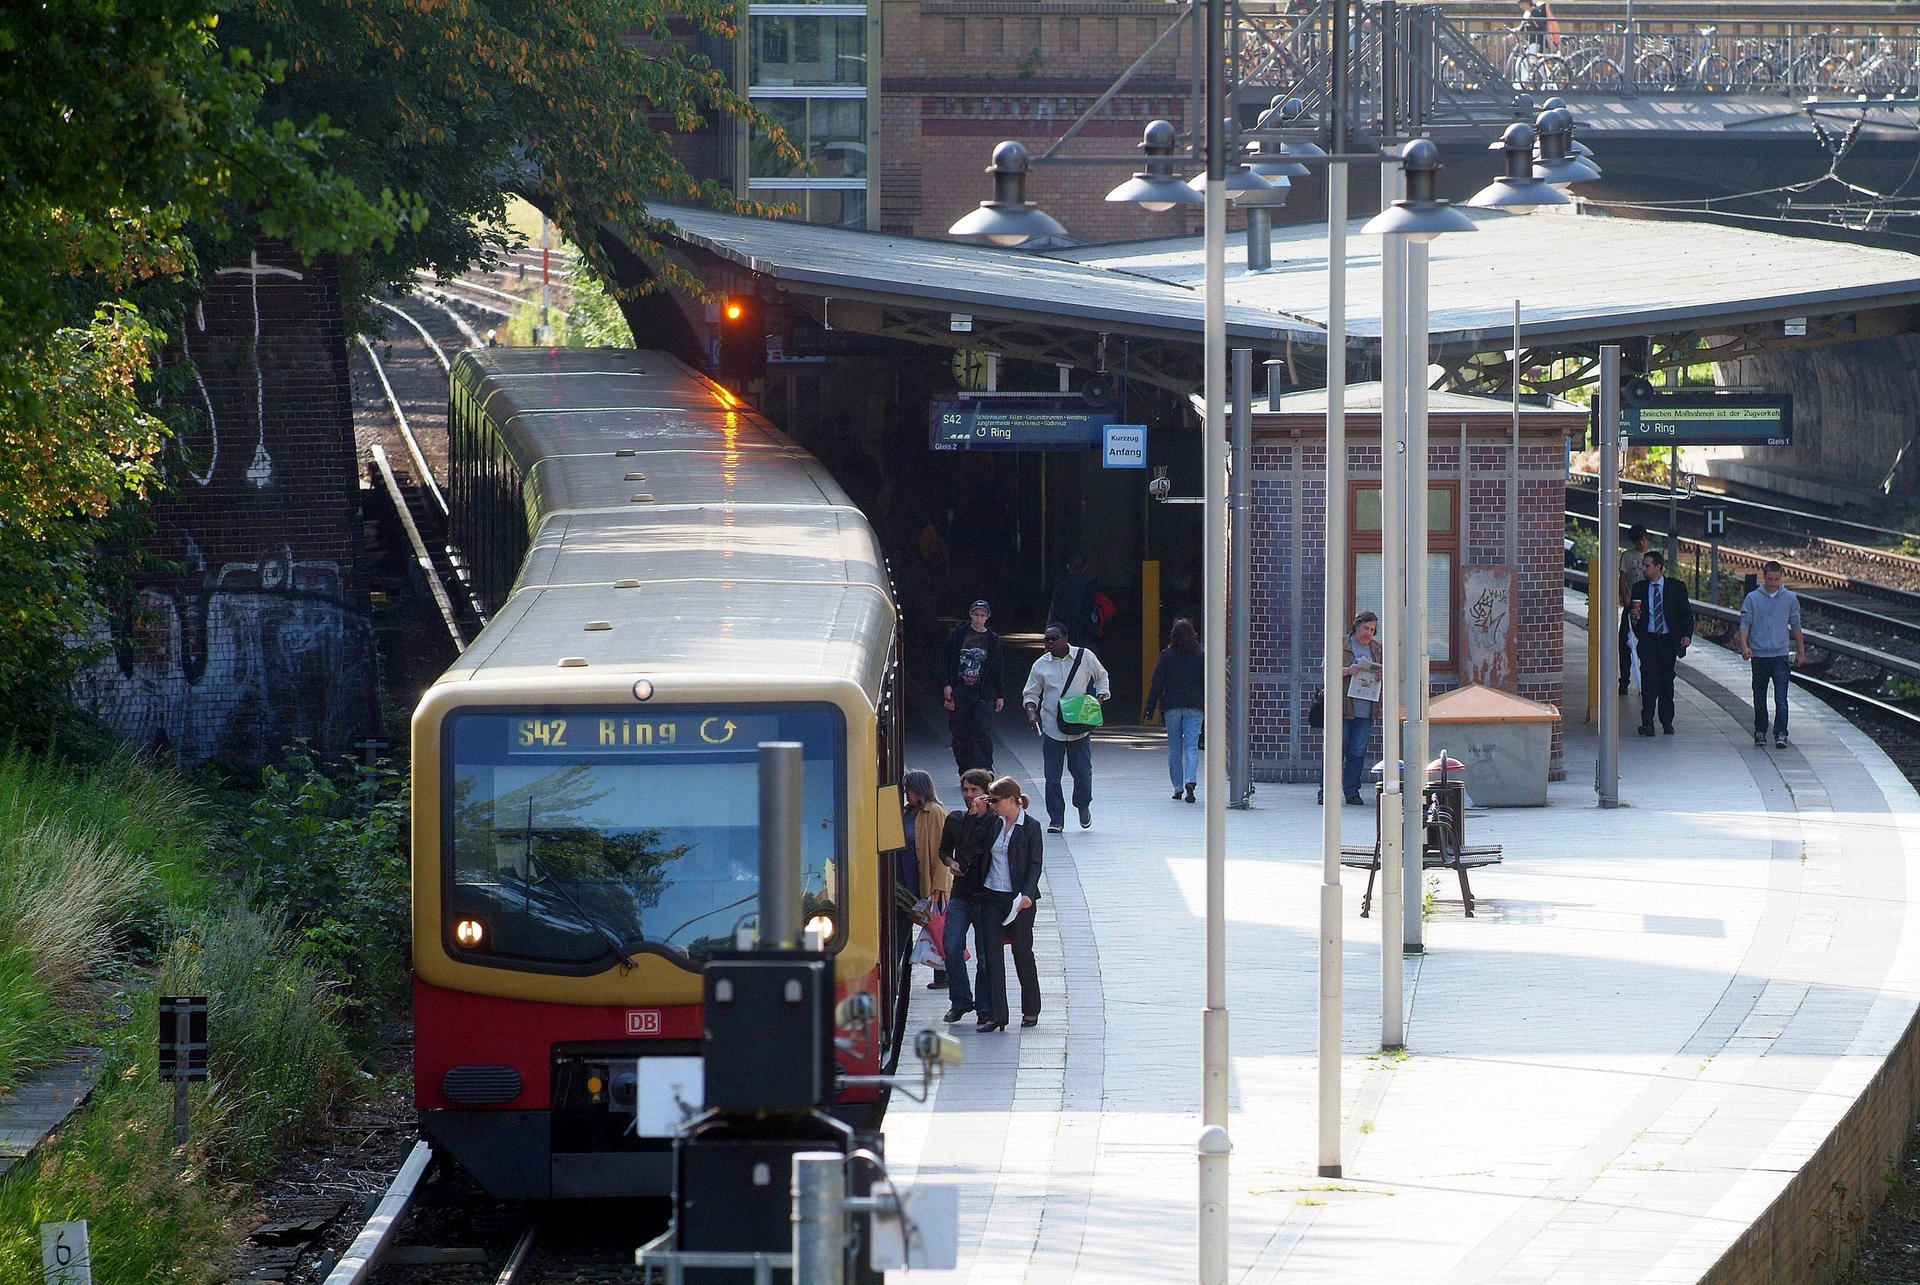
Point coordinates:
pixel 1494 536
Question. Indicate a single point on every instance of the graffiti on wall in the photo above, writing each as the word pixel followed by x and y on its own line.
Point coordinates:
pixel 237 661
pixel 1487 629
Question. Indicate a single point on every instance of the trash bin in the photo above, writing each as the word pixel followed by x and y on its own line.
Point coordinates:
pixel 1505 740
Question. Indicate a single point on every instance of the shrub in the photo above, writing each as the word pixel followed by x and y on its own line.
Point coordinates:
pixel 326 844
pixel 275 1060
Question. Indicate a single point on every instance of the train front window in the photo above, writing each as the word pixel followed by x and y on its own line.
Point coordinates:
pixel 579 837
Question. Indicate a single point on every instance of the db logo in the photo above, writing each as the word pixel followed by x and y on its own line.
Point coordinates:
pixel 643 1021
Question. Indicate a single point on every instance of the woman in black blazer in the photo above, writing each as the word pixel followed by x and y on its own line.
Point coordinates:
pixel 1012 887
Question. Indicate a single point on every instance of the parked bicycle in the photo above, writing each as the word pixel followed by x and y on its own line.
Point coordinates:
pixel 1529 66
pixel 1669 64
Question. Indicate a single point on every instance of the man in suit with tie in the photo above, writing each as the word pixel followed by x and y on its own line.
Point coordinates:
pixel 1662 629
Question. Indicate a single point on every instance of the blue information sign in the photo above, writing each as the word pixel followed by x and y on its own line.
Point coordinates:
pixel 1037 423
pixel 1706 418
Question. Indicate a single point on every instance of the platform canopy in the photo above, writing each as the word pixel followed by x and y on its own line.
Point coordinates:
pixel 1580 280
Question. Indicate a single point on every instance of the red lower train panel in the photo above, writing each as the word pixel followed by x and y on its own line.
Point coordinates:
pixel 454 1029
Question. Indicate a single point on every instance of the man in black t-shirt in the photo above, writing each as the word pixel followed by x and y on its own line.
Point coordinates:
pixel 973 686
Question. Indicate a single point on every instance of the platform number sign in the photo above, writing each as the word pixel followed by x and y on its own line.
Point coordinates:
pixel 183 1037
pixel 1716 519
pixel 64 1254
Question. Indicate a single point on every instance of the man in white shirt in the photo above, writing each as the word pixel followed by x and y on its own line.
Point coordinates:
pixel 1064 671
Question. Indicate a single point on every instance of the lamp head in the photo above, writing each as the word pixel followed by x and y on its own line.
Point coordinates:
pixel 1008 219
pixel 1422 216
pixel 1517 191
pixel 1156 187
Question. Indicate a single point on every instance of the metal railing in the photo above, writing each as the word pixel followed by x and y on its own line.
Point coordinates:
pixel 1662 56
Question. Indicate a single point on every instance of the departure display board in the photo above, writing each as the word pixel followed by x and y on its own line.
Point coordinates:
pixel 1705 418
pixel 1037 423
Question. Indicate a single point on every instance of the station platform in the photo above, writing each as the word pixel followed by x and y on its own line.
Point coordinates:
pixel 1667 1048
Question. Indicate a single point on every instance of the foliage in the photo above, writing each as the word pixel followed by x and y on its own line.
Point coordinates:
pixel 131 137
pixel 275 1059
pixel 595 320
pixel 1586 547
pixel 92 865
pixel 456 100
pixel 326 843
pixel 93 862
pixel 114 1167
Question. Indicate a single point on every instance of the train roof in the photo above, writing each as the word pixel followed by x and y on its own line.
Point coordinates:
pixel 674 531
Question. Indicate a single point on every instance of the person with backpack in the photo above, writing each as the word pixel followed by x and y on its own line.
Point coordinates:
pixel 1076 603
pixel 1066 674
pixel 973 686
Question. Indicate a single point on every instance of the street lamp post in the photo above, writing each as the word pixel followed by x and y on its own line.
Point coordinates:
pixel 1009 219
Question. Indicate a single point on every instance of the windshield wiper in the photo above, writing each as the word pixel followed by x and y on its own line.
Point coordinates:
pixel 606 934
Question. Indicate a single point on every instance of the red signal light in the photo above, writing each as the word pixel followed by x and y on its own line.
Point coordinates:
pixel 734 310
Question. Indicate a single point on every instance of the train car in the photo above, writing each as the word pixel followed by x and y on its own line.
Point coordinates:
pixel 670 581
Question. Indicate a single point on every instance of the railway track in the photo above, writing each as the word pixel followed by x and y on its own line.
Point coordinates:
pixel 400 396
pixel 433 1227
pixel 1884 609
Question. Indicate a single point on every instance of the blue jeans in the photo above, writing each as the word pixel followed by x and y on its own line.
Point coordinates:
pixel 1777 670
pixel 1076 756
pixel 1355 734
pixel 962 913
pixel 1183 746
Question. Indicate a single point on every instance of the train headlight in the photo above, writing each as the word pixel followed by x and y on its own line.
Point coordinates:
pixel 821 925
pixel 470 933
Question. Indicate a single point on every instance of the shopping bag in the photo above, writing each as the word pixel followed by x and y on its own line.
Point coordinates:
pixel 1081 711
pixel 927 950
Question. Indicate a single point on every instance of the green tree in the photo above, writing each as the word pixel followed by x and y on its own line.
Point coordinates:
pixel 143 140
pixel 127 133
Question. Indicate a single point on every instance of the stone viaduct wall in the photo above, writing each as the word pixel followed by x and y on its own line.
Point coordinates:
pixel 260 632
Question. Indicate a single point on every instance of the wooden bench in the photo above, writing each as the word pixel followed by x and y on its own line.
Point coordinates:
pixel 1441 851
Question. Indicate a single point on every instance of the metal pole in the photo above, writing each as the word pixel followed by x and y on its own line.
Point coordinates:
pixel 1333 630
pixel 1214 1159
pixel 819 1218
pixel 1259 238
pixel 1240 595
pixel 1413 908
pixel 546 281
pixel 1673 504
pixel 1603 614
pixel 1627 71
pixel 1393 638
pixel 183 1059
pixel 780 822
pixel 1513 488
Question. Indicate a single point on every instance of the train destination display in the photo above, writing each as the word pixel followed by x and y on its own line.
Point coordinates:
pixel 1038 423
pixel 1706 418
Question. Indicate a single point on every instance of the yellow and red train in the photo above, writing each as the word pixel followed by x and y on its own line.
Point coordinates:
pixel 670 581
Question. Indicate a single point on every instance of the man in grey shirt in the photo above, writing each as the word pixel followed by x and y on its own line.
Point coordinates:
pixel 1769 621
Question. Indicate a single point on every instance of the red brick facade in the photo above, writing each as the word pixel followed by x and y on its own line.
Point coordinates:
pixel 959 76
pixel 1289 550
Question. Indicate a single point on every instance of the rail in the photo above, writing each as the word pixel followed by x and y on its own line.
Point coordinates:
pixel 406 430
pixel 1803 574
pixel 441 599
pixel 357 1264
pixel 439 353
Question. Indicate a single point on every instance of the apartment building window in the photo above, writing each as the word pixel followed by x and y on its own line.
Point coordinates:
pixel 807 70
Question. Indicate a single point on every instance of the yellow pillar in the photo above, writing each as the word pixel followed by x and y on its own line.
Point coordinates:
pixel 1149 627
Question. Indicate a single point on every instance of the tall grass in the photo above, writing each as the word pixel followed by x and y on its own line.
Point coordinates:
pixel 274 1053
pixel 84 855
